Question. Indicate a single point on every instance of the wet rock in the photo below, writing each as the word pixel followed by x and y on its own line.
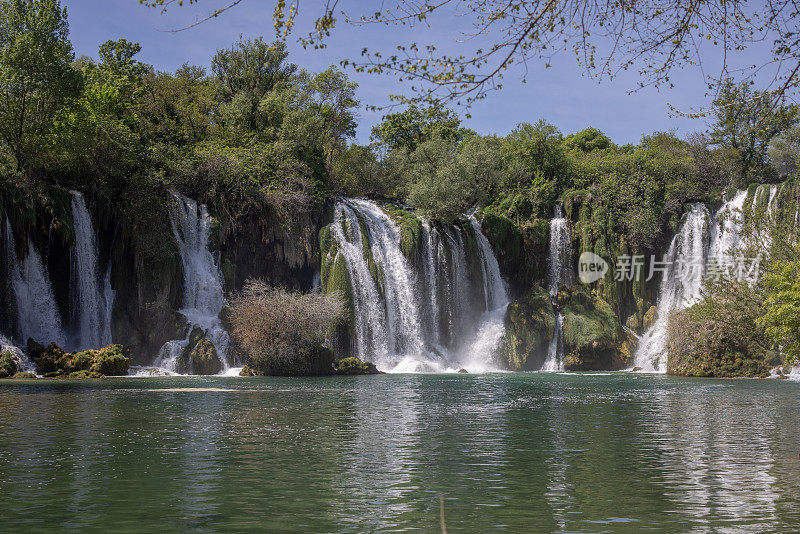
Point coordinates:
pixel 463 371
pixel 203 358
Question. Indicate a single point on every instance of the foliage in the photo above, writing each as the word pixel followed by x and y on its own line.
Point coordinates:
pixel 721 335
pixel 781 318
pixel 412 127
pixel 445 181
pixel 278 328
pixel 8 364
pixel 784 152
pixel 746 121
pixel 37 78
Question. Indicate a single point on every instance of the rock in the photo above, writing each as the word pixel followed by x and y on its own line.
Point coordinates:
pixel 34 349
pixel 8 364
pixel 637 369
pixel 354 366
pixel 463 371
pixel 247 371
pixel 592 332
pixel 649 318
pixel 530 323
pixel 23 375
pixel 49 361
pixel 200 356
pixel 112 360
pixel 314 360
pixel 203 359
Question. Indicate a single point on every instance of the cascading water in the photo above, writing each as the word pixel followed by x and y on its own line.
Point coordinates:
pixel 561 274
pixel 37 312
pixel 203 294
pixel 492 325
pixel 691 248
pixel 92 295
pixel 682 280
pixel 414 315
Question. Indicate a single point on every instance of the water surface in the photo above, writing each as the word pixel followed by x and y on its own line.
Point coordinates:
pixel 506 452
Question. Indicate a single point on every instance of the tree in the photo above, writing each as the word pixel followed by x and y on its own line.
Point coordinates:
pixel 781 319
pixel 784 152
pixel 746 121
pixel 446 181
pixel 408 129
pixel 245 74
pixel 36 75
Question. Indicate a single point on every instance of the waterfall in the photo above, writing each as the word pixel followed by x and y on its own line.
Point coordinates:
pixel 560 262
pixel 37 312
pixel 92 297
pixel 561 274
pixel 681 282
pixel 693 248
pixel 492 323
pixel 419 314
pixel 203 294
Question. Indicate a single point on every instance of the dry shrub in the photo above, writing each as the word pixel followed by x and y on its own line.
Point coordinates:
pixel 282 329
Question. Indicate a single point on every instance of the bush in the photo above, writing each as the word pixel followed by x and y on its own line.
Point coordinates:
pixel 8 364
pixel 281 331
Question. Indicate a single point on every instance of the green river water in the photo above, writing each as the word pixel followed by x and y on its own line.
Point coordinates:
pixel 505 453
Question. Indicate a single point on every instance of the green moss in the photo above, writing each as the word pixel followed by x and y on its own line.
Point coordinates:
pixel 337 280
pixel 112 360
pixel 592 332
pixel 354 366
pixel 530 323
pixel 410 229
pixel 20 375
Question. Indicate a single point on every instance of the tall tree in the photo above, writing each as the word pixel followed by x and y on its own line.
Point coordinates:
pixel 36 75
pixel 245 73
pixel 412 127
pixel 746 121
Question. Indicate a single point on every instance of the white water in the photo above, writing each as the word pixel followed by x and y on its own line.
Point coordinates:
pixel 92 297
pixel 203 294
pixel 680 286
pixel 561 274
pixel 422 317
pixel 37 312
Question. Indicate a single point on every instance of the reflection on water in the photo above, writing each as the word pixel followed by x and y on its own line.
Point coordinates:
pixel 512 452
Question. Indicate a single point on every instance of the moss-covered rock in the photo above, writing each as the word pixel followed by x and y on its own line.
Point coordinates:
pixel 21 375
pixel 113 360
pixel 354 366
pixel 592 331
pixel 410 229
pixel 247 371
pixel 530 323
pixel 52 361
pixel 204 359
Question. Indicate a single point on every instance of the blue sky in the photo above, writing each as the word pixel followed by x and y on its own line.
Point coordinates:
pixel 562 95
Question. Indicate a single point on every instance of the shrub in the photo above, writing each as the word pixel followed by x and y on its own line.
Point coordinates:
pixel 281 331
